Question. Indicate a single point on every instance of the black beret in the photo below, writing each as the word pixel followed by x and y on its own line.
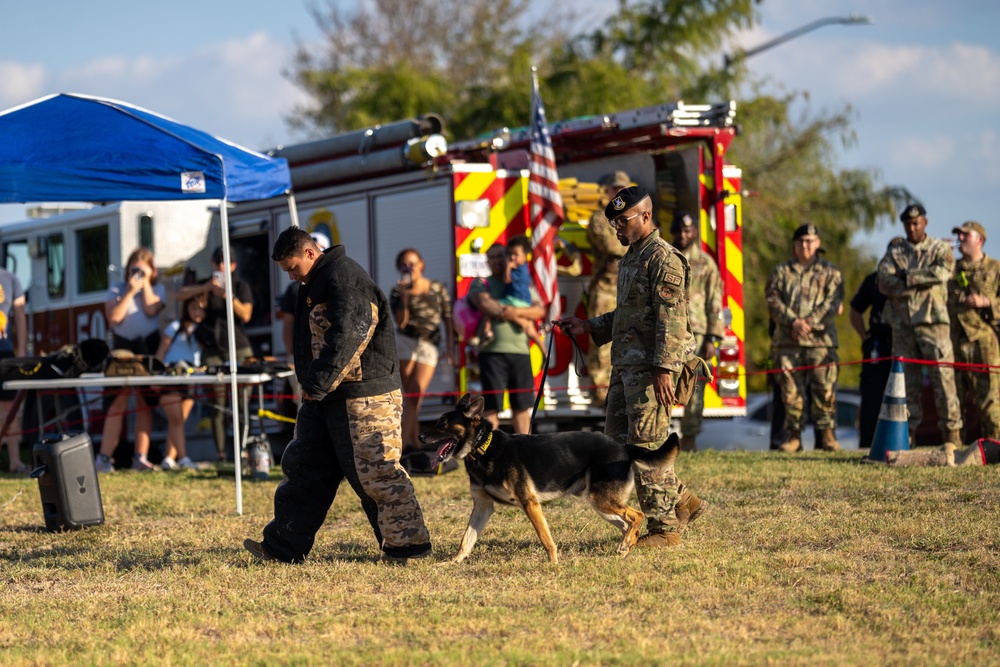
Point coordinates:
pixel 805 230
pixel 682 220
pixel 625 200
pixel 911 212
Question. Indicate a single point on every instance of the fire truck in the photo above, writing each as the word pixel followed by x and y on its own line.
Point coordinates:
pixel 381 190
pixel 402 185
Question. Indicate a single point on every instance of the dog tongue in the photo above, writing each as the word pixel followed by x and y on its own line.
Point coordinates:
pixel 441 453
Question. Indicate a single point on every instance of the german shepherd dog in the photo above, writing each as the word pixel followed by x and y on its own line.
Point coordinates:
pixel 528 470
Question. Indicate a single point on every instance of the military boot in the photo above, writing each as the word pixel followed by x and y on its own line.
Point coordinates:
pixel 828 440
pixel 688 508
pixel 954 437
pixel 794 442
pixel 687 444
pixel 659 540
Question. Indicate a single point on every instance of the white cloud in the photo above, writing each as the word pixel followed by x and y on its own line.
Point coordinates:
pixel 22 82
pixel 234 88
pixel 923 152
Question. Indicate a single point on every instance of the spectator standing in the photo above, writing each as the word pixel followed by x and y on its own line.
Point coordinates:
pixel 133 311
pixel 804 295
pixel 517 291
pixel 421 306
pixel 13 327
pixel 876 343
pixel 178 345
pixel 602 292
pixel 913 275
pixel 213 333
pixel 349 424
pixel 704 314
pixel 505 360
pixel 974 310
pixel 650 340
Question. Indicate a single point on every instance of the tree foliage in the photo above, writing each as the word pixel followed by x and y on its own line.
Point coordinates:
pixel 470 61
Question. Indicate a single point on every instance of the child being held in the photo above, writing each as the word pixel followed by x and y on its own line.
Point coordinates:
pixel 517 292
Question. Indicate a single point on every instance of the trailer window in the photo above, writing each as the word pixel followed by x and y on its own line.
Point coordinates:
pixel 92 259
pixel 17 260
pixel 146 231
pixel 56 265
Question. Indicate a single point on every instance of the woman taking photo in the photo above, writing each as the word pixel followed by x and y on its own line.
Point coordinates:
pixel 420 306
pixel 133 309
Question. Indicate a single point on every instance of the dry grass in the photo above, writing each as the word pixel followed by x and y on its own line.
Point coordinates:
pixel 808 559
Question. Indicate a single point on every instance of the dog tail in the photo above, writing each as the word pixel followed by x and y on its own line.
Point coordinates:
pixel 662 457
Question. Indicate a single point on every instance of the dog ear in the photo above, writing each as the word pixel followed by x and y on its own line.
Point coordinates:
pixel 463 403
pixel 475 408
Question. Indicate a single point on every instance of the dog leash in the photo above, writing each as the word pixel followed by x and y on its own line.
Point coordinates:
pixel 579 361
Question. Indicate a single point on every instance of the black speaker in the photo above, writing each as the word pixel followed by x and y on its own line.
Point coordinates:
pixel 67 481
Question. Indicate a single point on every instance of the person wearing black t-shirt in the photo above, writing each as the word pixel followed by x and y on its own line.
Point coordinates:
pixel 213 333
pixel 876 343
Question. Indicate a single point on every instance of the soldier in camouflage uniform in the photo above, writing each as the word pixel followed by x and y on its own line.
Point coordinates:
pixel 704 314
pixel 974 310
pixel 913 275
pixel 804 296
pixel 602 292
pixel 650 341
pixel 349 424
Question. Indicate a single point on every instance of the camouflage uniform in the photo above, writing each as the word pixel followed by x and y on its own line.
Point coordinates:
pixel 705 316
pixel 813 293
pixel 913 277
pixel 649 329
pixel 350 426
pixel 602 295
pixel 974 340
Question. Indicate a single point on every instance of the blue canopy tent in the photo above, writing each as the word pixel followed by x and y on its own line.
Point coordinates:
pixel 70 147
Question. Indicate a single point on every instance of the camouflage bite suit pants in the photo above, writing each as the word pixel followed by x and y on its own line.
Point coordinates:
pixel 635 418
pixel 357 439
pixel 821 380
pixel 984 385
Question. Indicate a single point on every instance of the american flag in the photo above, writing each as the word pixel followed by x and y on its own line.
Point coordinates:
pixel 544 205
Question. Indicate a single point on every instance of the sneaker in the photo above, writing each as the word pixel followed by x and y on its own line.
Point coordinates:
pixel 140 464
pixel 258 550
pixel 187 464
pixel 168 464
pixel 104 463
pixel 23 469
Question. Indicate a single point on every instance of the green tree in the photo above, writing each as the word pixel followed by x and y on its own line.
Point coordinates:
pixel 467 60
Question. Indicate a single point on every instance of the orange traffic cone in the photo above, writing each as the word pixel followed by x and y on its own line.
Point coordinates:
pixel 891 433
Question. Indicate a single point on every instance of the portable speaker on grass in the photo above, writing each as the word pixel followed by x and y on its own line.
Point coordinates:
pixel 67 481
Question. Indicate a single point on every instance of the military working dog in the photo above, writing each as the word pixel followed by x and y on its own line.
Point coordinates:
pixel 528 470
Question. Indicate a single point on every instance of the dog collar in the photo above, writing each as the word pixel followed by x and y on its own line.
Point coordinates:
pixel 483 447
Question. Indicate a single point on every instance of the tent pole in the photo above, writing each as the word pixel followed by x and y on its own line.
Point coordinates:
pixel 293 208
pixel 231 324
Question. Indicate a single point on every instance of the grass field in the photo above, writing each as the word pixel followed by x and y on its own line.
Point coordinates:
pixel 802 559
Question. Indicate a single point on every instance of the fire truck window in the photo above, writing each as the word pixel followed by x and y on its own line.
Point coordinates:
pixel 92 259
pixel 146 231
pixel 56 263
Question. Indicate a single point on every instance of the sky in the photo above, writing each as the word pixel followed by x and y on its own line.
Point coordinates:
pixel 923 80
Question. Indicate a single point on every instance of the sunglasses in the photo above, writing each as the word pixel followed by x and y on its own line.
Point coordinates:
pixel 621 220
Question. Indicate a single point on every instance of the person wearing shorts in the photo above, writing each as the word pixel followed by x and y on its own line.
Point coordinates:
pixel 420 306
pixel 505 361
